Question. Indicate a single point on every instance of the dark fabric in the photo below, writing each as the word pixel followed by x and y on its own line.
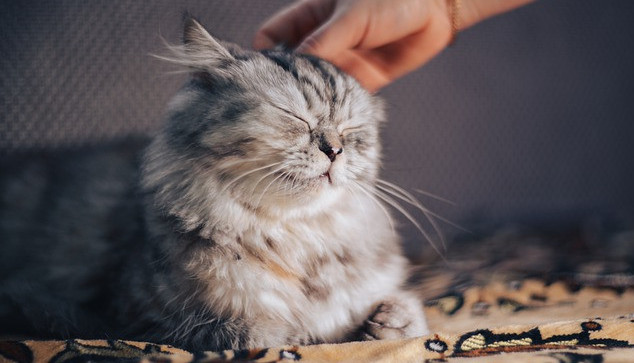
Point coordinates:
pixel 528 114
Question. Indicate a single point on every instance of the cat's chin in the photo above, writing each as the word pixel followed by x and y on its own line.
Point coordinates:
pixel 315 189
pixel 313 185
pixel 322 186
pixel 312 203
pixel 315 195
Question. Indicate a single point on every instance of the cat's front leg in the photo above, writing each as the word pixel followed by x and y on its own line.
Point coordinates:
pixel 398 316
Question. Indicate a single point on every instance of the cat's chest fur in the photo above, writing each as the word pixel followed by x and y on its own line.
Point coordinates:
pixel 316 273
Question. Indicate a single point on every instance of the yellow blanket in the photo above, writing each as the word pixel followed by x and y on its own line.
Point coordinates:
pixel 591 340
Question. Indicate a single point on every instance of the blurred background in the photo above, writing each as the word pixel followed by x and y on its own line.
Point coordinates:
pixel 527 119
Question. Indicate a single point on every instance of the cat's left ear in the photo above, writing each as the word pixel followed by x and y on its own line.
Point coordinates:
pixel 201 46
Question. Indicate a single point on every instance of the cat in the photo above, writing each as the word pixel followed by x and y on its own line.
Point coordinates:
pixel 252 219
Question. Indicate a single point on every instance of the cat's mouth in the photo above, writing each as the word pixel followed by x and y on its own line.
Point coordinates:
pixel 326 176
pixel 322 178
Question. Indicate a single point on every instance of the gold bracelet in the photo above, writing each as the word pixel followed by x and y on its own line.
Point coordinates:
pixel 453 7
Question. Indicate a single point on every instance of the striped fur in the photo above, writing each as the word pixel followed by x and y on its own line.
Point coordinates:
pixel 260 223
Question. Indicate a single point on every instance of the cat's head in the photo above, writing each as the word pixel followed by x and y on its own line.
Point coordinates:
pixel 271 129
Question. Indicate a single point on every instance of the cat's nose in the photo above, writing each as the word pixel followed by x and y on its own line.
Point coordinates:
pixel 331 152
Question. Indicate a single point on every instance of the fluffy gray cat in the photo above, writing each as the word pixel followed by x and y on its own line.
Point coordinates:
pixel 253 218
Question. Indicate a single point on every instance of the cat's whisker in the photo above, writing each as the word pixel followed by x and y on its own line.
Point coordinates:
pixel 283 186
pixel 288 188
pixel 435 196
pixel 276 170
pixel 407 215
pixel 417 204
pixel 287 184
pixel 257 204
pixel 231 165
pixel 226 164
pixel 294 185
pixel 230 183
pixel 403 195
pixel 362 188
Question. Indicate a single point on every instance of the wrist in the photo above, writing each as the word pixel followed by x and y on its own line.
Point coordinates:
pixel 474 11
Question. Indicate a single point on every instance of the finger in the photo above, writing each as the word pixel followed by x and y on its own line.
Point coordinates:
pixel 329 40
pixel 364 71
pixel 367 25
pixel 393 20
pixel 292 24
pixel 375 68
pixel 345 29
pixel 409 53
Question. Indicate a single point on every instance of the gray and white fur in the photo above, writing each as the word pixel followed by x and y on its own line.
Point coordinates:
pixel 252 220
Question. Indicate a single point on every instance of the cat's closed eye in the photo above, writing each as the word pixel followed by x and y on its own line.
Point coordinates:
pixel 345 132
pixel 298 121
pixel 291 117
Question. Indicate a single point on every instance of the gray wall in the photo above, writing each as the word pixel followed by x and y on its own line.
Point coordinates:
pixel 528 114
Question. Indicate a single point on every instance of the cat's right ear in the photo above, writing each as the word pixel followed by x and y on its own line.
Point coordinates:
pixel 199 44
pixel 200 52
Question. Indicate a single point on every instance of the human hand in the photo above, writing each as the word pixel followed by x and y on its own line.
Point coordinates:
pixel 376 41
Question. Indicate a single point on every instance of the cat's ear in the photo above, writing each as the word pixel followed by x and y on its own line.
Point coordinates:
pixel 199 51
pixel 201 46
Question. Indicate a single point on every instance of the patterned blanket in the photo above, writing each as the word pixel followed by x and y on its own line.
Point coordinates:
pixel 512 296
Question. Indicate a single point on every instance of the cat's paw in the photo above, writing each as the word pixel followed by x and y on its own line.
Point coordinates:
pixel 394 319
